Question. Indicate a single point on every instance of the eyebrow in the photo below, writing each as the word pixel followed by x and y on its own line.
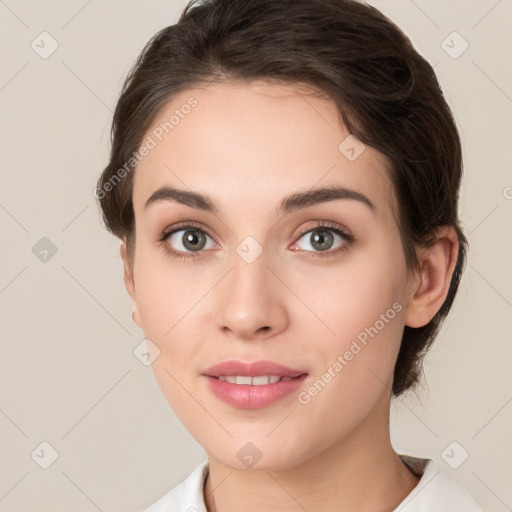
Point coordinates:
pixel 293 202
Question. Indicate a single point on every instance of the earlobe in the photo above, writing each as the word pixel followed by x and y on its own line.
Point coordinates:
pixel 432 284
pixel 129 283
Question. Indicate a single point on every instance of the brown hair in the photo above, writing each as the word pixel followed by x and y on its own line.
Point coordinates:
pixel 386 93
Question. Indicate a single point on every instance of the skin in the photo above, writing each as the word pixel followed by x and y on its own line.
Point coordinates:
pixel 247 146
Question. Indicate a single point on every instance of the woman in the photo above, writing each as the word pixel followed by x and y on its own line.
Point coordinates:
pixel 284 178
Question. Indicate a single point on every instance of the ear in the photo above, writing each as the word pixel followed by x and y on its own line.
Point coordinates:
pixel 429 287
pixel 129 283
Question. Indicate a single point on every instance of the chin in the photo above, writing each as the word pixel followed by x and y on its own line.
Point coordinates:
pixel 259 455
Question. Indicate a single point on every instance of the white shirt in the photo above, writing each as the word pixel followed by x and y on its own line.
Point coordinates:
pixel 436 491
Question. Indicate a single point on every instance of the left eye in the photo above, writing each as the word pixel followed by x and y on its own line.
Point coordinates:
pixel 321 239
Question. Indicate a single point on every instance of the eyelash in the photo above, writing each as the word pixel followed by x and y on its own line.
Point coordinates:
pixel 330 226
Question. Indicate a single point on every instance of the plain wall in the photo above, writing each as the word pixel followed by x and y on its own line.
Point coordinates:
pixel 68 375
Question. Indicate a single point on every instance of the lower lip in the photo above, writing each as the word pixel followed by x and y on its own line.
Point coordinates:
pixel 247 396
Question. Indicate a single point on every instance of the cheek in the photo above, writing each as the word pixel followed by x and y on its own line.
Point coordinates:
pixel 355 366
pixel 171 304
pixel 361 305
pixel 166 296
pixel 166 306
pixel 351 296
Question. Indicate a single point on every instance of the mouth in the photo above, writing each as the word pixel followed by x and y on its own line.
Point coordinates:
pixel 253 392
pixel 253 385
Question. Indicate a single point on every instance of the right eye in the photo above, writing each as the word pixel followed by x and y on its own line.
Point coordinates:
pixel 186 241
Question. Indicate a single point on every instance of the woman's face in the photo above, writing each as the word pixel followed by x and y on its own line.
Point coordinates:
pixel 258 280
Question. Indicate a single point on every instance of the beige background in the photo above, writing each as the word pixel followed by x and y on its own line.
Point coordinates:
pixel 68 375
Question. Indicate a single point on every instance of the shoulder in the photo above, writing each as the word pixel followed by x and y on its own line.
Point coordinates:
pixel 186 496
pixel 436 490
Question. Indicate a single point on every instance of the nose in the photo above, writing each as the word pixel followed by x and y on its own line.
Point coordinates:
pixel 250 301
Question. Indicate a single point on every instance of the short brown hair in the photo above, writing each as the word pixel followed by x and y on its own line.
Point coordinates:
pixel 387 95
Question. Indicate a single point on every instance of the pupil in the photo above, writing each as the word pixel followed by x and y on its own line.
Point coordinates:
pixel 192 240
pixel 320 240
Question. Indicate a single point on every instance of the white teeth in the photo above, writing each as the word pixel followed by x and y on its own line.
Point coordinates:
pixel 255 381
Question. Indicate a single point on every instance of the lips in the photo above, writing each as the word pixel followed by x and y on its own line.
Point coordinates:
pixel 234 368
pixel 253 385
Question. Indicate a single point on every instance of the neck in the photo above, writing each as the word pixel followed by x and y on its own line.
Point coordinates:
pixel 360 472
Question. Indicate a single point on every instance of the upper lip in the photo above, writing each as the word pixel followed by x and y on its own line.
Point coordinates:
pixel 251 369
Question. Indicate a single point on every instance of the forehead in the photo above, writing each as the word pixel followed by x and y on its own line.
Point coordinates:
pixel 256 142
